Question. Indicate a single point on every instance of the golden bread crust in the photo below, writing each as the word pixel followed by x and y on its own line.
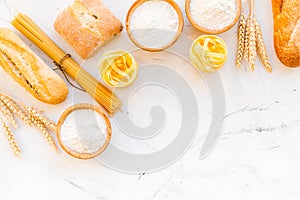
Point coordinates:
pixel 286 14
pixel 86 25
pixel 26 68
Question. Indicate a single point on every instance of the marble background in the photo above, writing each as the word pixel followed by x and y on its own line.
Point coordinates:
pixel 258 156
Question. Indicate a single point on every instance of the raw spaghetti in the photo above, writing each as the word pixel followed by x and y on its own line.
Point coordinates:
pixel 93 87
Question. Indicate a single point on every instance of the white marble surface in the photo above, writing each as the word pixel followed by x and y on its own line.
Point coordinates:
pixel 258 156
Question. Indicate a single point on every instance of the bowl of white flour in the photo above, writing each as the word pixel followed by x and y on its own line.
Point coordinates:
pixel 213 16
pixel 154 25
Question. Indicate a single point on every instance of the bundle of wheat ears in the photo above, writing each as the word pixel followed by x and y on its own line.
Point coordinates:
pixel 250 41
pixel 11 109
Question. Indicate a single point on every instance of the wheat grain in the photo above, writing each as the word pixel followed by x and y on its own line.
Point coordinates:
pixel 247 34
pixel 241 41
pixel 46 121
pixel 37 123
pixel 11 139
pixel 30 116
pixel 15 108
pixel 261 48
pixel 252 45
pixel 8 114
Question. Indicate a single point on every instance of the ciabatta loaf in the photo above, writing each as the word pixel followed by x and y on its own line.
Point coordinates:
pixel 25 67
pixel 286 14
pixel 86 25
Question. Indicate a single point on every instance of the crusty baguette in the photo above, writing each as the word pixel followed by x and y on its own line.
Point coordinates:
pixel 86 25
pixel 286 14
pixel 25 67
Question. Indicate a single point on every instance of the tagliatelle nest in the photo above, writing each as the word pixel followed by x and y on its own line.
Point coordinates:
pixel 208 53
pixel 118 68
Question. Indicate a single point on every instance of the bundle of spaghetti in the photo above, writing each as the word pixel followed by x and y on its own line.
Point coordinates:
pixel 93 87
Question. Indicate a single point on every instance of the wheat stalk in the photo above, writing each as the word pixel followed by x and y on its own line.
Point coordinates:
pixel 241 41
pixel 11 139
pixel 8 114
pixel 31 116
pixel 252 45
pixel 253 42
pixel 261 48
pixel 247 35
pixel 15 108
pixel 46 121
pixel 37 123
pixel 41 122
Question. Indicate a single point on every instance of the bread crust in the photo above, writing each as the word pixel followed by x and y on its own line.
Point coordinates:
pixel 286 14
pixel 86 25
pixel 30 71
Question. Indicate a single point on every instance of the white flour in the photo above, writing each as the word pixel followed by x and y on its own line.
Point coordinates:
pixel 213 14
pixel 154 24
pixel 84 131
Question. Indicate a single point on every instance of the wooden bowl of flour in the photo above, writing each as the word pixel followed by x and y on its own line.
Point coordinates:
pixel 152 13
pixel 68 148
pixel 209 27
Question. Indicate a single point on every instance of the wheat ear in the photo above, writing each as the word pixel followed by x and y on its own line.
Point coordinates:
pixel 261 48
pixel 247 36
pixel 8 114
pixel 37 123
pixel 252 45
pixel 241 41
pixel 15 108
pixel 42 122
pixel 11 139
pixel 46 121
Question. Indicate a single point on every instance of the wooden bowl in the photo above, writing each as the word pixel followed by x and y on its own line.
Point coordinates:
pixel 179 30
pixel 213 31
pixel 83 156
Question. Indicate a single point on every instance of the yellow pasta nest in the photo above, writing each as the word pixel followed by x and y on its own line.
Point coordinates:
pixel 118 68
pixel 208 53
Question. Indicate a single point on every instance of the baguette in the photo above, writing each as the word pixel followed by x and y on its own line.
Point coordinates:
pixel 26 68
pixel 286 14
pixel 86 25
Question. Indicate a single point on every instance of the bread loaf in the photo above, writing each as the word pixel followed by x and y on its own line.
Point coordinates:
pixel 86 25
pixel 25 67
pixel 286 14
